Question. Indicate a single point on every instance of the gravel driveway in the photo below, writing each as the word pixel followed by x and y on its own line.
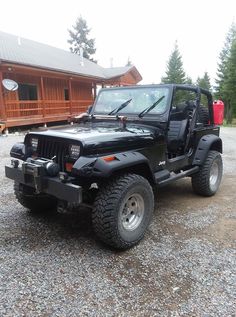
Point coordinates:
pixel 186 265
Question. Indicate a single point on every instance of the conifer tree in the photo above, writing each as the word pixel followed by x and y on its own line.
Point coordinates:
pixel 174 69
pixel 79 39
pixel 223 58
pixel 229 84
pixel 225 74
pixel 204 82
pixel 189 80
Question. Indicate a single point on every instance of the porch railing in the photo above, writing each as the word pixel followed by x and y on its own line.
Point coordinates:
pixel 44 108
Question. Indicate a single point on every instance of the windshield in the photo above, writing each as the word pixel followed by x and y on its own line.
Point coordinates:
pixel 132 100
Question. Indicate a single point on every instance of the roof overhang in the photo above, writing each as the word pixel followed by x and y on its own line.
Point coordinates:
pixel 130 77
pixel 45 71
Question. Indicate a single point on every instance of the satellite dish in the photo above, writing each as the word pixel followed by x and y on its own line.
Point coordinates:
pixel 9 84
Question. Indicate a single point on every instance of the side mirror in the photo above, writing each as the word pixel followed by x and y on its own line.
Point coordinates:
pixel 89 110
pixel 9 84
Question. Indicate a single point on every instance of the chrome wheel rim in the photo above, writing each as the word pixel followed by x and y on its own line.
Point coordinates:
pixel 214 174
pixel 132 212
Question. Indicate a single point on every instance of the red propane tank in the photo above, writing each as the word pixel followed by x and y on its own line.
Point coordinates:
pixel 218 111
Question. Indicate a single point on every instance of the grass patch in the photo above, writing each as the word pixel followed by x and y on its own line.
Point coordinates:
pixel 233 124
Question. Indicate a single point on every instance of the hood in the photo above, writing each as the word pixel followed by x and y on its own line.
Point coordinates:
pixel 104 139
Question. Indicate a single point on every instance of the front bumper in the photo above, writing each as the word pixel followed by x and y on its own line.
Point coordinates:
pixel 30 175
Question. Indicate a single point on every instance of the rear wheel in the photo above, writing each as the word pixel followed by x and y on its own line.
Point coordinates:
pixel 207 181
pixel 37 203
pixel 123 210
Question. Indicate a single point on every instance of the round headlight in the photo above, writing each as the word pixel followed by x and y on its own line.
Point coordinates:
pixel 74 151
pixel 34 143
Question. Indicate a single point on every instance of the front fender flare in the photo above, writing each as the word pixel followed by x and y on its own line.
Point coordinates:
pixel 99 167
pixel 206 143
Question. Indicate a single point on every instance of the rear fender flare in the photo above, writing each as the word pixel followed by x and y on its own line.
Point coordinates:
pixel 206 143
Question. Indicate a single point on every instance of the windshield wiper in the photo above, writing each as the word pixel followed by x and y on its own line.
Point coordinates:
pixel 141 114
pixel 122 106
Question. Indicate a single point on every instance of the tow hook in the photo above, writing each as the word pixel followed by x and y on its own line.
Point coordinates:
pixel 62 206
pixel 15 163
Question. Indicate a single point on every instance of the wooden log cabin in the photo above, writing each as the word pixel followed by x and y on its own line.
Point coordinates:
pixel 53 83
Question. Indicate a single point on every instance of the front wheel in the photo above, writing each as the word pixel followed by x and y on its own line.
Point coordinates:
pixel 123 210
pixel 207 181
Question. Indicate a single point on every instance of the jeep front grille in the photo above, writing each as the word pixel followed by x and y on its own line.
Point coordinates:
pixel 48 148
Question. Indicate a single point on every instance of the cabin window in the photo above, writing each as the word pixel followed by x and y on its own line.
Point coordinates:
pixel 27 92
pixel 66 94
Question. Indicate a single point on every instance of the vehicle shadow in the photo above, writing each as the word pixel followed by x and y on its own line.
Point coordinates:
pixel 77 222
pixel 49 230
pixel 75 228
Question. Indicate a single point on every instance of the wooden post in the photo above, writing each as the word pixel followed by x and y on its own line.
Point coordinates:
pixel 42 96
pixel 94 91
pixel 70 95
pixel 2 103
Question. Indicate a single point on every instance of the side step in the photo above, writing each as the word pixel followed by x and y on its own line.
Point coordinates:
pixel 173 177
pixel 161 176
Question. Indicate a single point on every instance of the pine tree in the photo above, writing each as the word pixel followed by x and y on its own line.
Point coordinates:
pixel 189 80
pixel 79 39
pixel 223 58
pixel 204 82
pixel 229 84
pixel 174 70
pixel 225 75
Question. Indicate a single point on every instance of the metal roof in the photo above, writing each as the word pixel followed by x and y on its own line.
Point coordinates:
pixel 19 50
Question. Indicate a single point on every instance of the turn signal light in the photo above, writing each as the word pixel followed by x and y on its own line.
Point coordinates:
pixel 109 158
pixel 69 167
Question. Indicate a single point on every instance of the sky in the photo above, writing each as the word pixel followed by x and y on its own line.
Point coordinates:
pixel 143 31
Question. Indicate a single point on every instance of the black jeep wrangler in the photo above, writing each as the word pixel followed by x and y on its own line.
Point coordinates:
pixel 134 140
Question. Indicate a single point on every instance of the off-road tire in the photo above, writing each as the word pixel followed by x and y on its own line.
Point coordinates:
pixel 207 180
pixel 111 204
pixel 35 203
pixel 203 115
